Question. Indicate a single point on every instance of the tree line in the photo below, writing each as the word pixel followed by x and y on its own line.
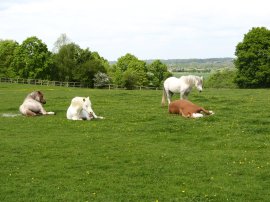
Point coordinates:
pixel 69 62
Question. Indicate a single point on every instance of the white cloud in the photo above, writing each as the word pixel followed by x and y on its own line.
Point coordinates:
pixel 147 29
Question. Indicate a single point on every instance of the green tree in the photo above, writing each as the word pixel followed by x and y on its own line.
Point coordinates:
pixel 139 68
pixel 123 62
pixel 61 41
pixel 103 61
pixel 66 61
pixel 7 49
pixel 76 64
pixel 157 73
pixel 32 59
pixel 253 59
pixel 116 75
pixel 130 79
pixel 129 72
pixel 90 63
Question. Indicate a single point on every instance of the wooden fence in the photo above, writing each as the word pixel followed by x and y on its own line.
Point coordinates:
pixel 67 84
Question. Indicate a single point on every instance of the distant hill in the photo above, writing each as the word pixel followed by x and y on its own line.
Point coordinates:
pixel 179 65
pixel 190 65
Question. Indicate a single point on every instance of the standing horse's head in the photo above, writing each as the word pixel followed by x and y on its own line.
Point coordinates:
pixel 38 96
pixel 199 83
pixel 87 106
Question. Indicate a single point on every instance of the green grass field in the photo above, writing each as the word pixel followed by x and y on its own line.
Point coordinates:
pixel 139 152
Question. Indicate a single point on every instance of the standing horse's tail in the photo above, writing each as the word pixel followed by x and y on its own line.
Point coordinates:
pixel 163 98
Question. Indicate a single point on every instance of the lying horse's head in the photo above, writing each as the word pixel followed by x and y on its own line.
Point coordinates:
pixel 38 96
pixel 87 107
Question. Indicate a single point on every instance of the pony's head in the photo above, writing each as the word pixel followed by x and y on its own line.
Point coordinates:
pixel 38 96
pixel 87 106
pixel 199 83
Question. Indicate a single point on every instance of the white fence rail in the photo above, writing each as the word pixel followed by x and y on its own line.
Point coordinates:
pixel 66 84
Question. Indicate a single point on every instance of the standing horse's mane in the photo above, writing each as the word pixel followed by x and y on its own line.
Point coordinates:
pixel 190 78
pixel 193 77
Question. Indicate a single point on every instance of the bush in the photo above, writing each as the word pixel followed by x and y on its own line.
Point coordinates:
pixel 101 80
pixel 222 79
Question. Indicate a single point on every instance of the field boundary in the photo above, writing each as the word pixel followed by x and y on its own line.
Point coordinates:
pixel 68 84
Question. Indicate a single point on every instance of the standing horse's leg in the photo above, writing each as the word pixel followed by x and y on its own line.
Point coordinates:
pixel 181 96
pixel 169 96
pixel 164 95
pixel 184 94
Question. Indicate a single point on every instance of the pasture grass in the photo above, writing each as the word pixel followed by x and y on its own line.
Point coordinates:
pixel 139 152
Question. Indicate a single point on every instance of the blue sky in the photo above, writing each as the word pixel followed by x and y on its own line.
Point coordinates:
pixel 148 29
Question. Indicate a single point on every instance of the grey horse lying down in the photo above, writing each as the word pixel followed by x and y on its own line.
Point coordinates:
pixel 33 105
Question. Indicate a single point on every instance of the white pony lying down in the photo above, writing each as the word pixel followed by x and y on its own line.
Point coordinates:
pixel 32 105
pixel 80 109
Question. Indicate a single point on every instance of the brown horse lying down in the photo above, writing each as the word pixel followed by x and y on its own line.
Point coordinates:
pixel 187 109
pixel 32 105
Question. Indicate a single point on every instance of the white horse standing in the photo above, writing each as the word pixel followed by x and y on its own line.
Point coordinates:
pixel 182 85
pixel 81 109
